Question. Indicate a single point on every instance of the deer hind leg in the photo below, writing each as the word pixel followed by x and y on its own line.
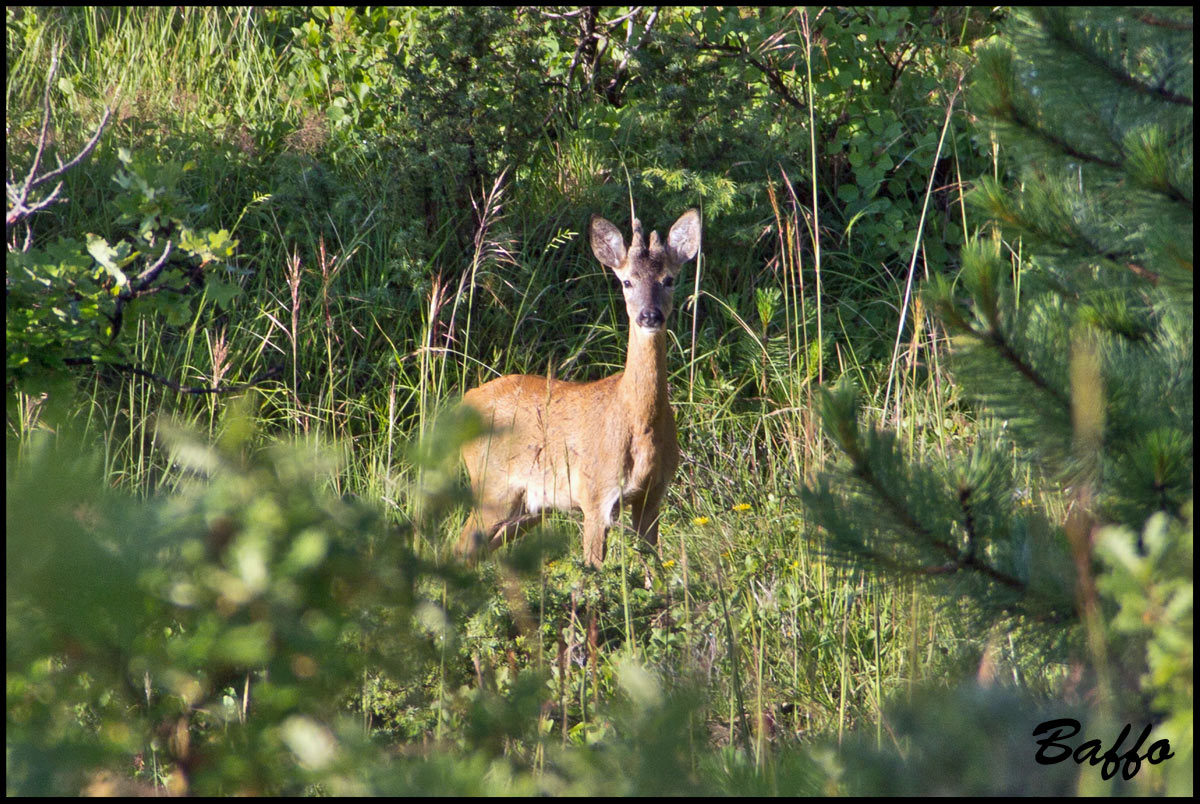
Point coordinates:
pixel 488 516
pixel 494 524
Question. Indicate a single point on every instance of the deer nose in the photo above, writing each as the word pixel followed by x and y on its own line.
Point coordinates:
pixel 650 318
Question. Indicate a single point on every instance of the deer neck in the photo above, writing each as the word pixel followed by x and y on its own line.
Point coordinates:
pixel 644 383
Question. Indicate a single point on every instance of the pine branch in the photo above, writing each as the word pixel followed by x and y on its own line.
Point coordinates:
pixel 1031 128
pixel 995 339
pixel 1059 33
pixel 958 560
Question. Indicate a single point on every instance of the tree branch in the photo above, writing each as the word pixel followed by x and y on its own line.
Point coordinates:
pixel 174 386
pixel 774 79
pixel 1060 34
pixel 18 195
pixel 958 560
pixel 130 293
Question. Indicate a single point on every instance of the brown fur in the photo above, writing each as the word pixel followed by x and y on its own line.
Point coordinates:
pixel 592 446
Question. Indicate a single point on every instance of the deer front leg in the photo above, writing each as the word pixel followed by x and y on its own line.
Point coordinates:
pixel 594 531
pixel 644 514
pixel 480 525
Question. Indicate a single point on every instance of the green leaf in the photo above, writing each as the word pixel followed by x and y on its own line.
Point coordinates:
pixel 222 293
pixel 111 259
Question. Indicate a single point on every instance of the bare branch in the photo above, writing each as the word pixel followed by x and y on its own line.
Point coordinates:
pixel 18 195
pixel 627 15
pixel 84 152
pixel 150 274
pixel 139 287
pixel 551 15
pixel 611 89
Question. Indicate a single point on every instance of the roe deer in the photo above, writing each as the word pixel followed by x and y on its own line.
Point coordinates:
pixel 590 446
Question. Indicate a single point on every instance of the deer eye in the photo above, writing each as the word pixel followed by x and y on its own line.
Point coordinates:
pixel 668 281
pixel 627 283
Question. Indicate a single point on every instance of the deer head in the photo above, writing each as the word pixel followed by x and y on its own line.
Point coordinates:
pixel 647 272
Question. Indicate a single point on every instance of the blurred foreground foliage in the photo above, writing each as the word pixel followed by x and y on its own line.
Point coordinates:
pixel 249 632
pixel 216 641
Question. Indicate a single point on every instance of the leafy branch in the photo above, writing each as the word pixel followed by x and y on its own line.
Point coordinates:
pixel 67 298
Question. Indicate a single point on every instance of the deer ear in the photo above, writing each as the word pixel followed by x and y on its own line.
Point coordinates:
pixel 607 243
pixel 683 242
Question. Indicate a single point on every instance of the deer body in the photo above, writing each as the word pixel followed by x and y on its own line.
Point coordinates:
pixel 594 446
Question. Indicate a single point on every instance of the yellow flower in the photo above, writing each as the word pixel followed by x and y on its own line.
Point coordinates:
pixel 700 520
pixel 742 507
pixel 670 562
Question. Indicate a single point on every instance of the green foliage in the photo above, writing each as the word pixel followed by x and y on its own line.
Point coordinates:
pixel 215 631
pixel 1079 347
pixel 377 128
pixel 66 302
pixel 1150 581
